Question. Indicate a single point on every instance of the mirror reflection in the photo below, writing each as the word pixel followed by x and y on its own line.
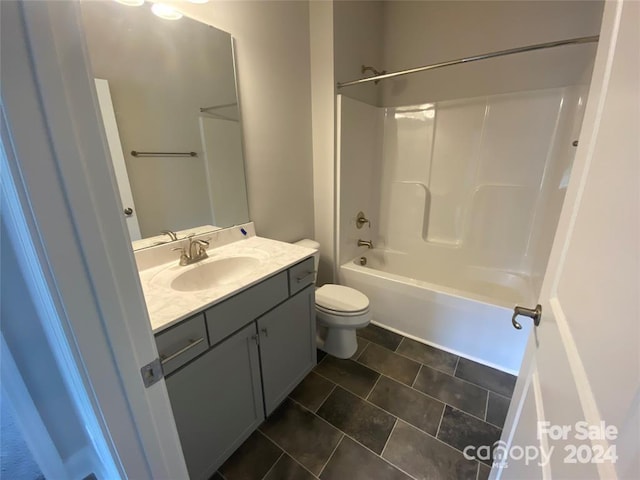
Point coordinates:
pixel 167 94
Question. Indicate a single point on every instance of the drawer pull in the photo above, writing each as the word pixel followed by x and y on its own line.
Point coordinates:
pixel 300 278
pixel 192 343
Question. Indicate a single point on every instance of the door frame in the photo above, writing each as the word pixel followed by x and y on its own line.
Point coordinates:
pixel 108 114
pixel 60 192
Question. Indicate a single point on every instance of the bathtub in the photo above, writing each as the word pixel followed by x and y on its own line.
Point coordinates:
pixel 464 310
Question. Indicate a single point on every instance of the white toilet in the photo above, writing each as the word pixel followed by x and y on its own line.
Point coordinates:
pixel 340 311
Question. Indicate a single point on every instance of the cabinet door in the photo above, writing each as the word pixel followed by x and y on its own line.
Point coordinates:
pixel 287 346
pixel 217 402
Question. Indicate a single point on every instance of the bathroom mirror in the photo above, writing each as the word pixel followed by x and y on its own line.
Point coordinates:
pixel 167 95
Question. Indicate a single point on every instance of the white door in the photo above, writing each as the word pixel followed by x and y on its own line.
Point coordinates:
pixel 117 158
pixel 574 413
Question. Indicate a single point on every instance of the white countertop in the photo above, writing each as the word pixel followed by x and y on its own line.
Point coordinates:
pixel 167 306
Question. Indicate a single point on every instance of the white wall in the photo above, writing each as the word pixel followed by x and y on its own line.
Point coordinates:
pixel 323 118
pixel 358 37
pixel 420 33
pixel 272 52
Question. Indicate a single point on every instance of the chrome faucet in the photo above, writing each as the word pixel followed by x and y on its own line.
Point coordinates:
pixel 365 243
pixel 196 251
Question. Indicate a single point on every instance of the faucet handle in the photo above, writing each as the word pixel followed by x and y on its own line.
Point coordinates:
pixel 184 258
pixel 361 220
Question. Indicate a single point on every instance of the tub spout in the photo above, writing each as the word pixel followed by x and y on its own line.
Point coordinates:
pixel 365 243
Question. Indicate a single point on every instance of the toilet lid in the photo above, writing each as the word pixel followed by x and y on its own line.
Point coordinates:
pixel 339 298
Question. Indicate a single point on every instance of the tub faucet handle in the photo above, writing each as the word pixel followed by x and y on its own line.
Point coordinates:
pixel 361 220
pixel 365 243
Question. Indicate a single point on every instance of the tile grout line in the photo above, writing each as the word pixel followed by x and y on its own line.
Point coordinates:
pixel 469 414
pixel 373 388
pixel 453 374
pixel 458 358
pixel 501 395
pixel 435 438
pixel 486 406
pixel 464 381
pixel 416 379
pixel 332 453
pixel 422 364
pixel 444 405
pixel 389 437
pixel 482 386
pixel 426 365
pixel 363 445
pixel 393 351
pixel 494 425
pixel 344 434
pixel 323 401
pixel 381 373
pixel 284 451
pixel 335 384
pixel 355 359
pixel 444 409
pixel 272 466
pixel 405 385
pixel 389 461
pixel 383 346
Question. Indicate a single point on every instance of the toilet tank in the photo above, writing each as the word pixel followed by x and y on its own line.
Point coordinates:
pixel 308 243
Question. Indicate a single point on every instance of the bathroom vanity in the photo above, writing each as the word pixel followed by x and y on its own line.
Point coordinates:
pixel 234 342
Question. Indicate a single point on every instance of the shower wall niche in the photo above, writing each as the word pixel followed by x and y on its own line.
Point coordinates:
pixel 470 182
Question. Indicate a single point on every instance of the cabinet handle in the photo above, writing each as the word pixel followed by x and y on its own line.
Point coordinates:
pixel 300 278
pixel 265 331
pixel 192 343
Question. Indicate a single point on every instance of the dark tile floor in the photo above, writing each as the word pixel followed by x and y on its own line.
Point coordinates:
pixel 397 409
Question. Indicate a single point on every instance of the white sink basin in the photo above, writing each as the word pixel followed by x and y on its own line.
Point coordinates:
pixel 214 273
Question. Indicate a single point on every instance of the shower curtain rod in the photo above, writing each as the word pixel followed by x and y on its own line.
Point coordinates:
pixel 484 56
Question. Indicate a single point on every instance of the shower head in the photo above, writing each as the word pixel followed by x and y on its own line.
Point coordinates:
pixel 365 69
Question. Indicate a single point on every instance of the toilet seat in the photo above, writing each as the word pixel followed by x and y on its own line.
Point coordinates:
pixel 340 313
pixel 340 300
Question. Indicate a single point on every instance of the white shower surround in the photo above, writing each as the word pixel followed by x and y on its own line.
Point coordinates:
pixel 464 197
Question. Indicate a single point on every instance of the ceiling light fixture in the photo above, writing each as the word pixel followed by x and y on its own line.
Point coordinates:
pixel 131 3
pixel 165 11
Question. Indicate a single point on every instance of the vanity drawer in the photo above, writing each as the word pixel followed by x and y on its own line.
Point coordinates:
pixel 301 275
pixel 184 342
pixel 245 307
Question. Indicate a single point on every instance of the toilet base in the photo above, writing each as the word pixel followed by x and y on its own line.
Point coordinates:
pixel 340 343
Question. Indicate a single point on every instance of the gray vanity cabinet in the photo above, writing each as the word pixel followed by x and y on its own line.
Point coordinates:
pixel 217 402
pixel 287 346
pixel 228 367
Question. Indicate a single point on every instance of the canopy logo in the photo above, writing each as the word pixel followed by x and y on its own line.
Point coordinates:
pixel 579 443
